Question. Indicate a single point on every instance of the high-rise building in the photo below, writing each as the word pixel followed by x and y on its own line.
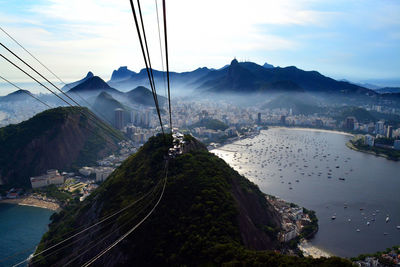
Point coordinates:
pixel 134 117
pixel 380 127
pixel 119 118
pixel 389 132
pixel 349 123
pixel 283 119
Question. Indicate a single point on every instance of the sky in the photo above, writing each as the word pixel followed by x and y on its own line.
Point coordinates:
pixel 357 40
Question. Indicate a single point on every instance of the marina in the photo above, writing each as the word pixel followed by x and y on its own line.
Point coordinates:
pixel 355 195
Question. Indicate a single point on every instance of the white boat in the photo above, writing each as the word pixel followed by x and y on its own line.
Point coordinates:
pixel 368 223
pixel 358 230
pixel 398 227
pixel 333 217
pixel 387 219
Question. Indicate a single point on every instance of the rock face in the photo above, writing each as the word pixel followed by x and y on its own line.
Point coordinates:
pixel 73 84
pixel 121 74
pixel 60 138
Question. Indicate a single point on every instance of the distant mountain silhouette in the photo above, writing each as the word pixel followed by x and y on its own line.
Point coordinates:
pixel 93 86
pixel 19 95
pixel 73 84
pixel 248 77
pixel 125 79
pixel 143 96
pixel 121 74
pixel 268 66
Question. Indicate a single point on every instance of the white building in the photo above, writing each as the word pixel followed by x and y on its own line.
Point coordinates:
pixel 289 232
pixel 86 171
pixel 369 140
pixel 102 173
pixel 51 177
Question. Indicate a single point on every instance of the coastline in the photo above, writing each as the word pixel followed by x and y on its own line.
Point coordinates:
pixel 32 202
pixel 309 250
pixel 311 130
pixel 233 140
pixel 353 147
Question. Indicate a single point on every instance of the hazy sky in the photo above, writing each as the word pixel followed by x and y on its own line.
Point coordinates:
pixel 356 40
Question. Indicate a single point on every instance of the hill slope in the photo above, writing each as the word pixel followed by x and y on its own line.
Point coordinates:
pixel 73 84
pixel 94 86
pixel 209 215
pixel 19 95
pixel 59 138
pixel 105 105
pixel 143 96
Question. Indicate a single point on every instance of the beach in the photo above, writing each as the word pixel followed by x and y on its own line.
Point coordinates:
pixel 33 202
pixel 310 250
pixel 312 130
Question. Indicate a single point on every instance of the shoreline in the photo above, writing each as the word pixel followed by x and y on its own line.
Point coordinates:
pixel 353 147
pixel 32 202
pixel 311 130
pixel 312 251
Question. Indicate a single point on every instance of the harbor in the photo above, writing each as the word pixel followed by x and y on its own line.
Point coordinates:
pixel 355 195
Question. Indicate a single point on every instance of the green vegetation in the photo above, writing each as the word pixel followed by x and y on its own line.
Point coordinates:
pixel 52 191
pixel 210 123
pixel 299 103
pixel 362 115
pixel 377 255
pixel 61 138
pixel 365 116
pixel 309 230
pixel 359 145
pixel 195 224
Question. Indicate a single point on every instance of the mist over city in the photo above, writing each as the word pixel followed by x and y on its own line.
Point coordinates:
pixel 168 133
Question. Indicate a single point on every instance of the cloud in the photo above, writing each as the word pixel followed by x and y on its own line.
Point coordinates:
pixel 75 36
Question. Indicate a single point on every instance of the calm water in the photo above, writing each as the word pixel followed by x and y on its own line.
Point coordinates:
pixel 21 228
pixel 278 157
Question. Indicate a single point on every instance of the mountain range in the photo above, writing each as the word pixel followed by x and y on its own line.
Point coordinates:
pixel 130 88
pixel 244 77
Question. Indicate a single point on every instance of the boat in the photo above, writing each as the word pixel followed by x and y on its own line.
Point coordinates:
pixel 398 227
pixel 385 233
pixel 387 219
pixel 342 179
pixel 368 223
pixel 333 217
pixel 349 220
pixel 358 230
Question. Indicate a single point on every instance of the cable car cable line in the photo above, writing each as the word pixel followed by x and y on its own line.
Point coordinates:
pixel 55 75
pixel 146 64
pixel 25 91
